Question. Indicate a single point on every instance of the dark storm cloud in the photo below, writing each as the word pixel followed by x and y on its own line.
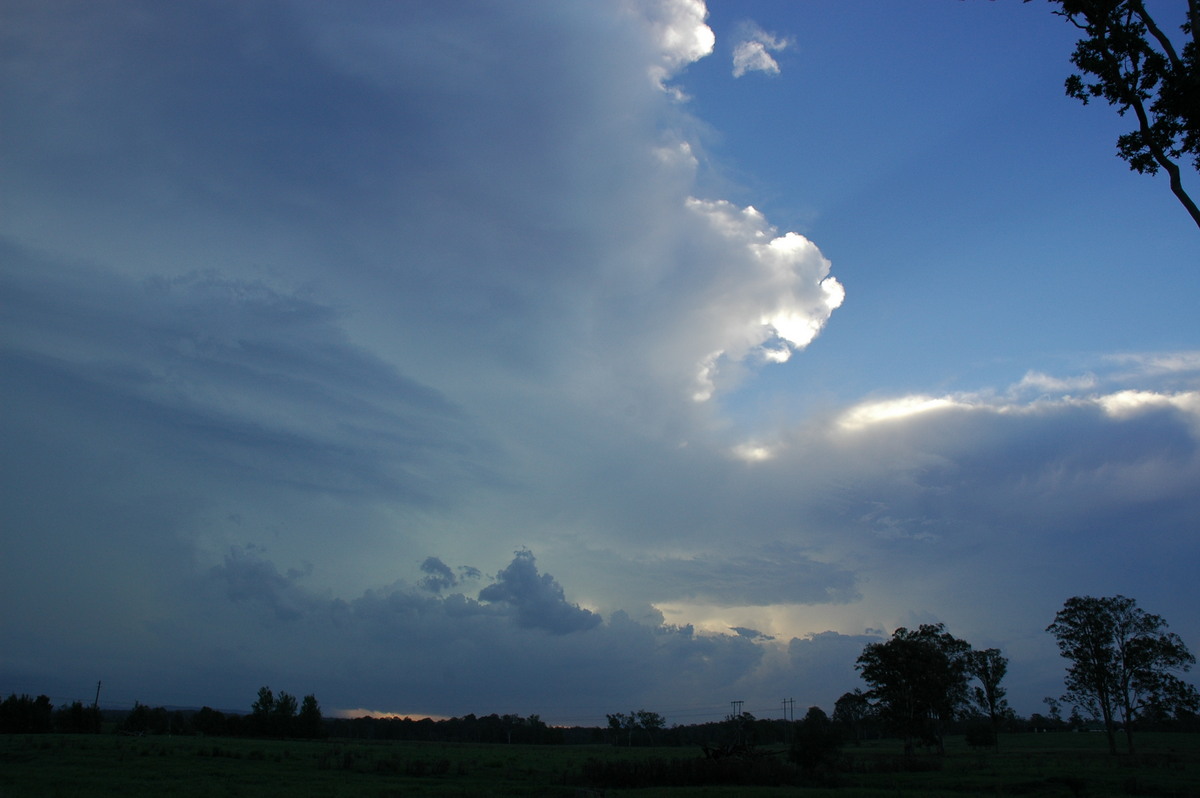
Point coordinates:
pixel 538 599
pixel 404 649
pixel 776 573
pixel 250 578
pixel 759 575
pixel 438 575
pixel 753 634
pixel 234 373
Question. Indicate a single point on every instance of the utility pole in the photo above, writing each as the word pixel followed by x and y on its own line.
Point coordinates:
pixel 96 703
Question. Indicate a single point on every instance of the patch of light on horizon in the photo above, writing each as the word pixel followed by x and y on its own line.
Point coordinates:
pixel 376 713
pixel 713 621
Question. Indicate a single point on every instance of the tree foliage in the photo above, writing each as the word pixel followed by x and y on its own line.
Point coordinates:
pixel 989 668
pixel 816 744
pixel 281 716
pixel 918 681
pixel 1123 663
pixel 1128 59
pixel 26 715
pixel 853 713
pixel 625 725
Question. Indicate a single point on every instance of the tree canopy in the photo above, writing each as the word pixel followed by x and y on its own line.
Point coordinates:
pixel 1127 58
pixel 1123 663
pixel 918 681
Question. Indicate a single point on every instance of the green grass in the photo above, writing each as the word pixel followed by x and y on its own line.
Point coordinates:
pixel 1063 765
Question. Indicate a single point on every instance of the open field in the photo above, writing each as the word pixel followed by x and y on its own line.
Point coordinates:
pixel 1062 764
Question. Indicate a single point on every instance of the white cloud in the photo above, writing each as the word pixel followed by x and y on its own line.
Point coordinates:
pixel 774 295
pixel 753 51
pixel 681 34
pixel 1037 381
pixel 893 409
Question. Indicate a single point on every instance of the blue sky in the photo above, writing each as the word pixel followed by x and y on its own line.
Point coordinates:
pixel 571 358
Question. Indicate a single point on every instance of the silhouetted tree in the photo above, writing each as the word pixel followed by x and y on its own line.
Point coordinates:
pixel 989 667
pixel 283 715
pixel 622 725
pixel 1129 60
pixel 815 747
pixel 918 681
pixel 1123 662
pixel 309 722
pixel 261 711
pixel 76 718
pixel 26 715
pixel 851 712
pixel 650 722
pixel 209 722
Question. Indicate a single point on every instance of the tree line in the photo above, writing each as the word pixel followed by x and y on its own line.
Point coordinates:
pixel 27 715
pixel 270 716
pixel 1123 675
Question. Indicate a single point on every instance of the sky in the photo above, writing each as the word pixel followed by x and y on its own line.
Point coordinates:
pixel 573 358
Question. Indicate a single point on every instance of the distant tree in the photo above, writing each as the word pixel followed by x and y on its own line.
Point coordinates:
pixel 77 718
pixel 650 722
pixel 622 725
pixel 510 723
pixel 816 744
pixel 1123 662
pixel 209 722
pixel 265 702
pixel 918 681
pixel 989 667
pixel 309 723
pixel 283 714
pixel 851 713
pixel 1054 707
pixel 26 715
pixel 1129 60
pixel 138 721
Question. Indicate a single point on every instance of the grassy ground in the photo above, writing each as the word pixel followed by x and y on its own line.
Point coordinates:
pixel 1063 765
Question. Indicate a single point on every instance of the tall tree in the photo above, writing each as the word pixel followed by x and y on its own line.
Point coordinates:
pixel 283 714
pixel 1123 662
pixel 261 710
pixel 918 680
pixel 851 712
pixel 989 668
pixel 1129 60
pixel 309 723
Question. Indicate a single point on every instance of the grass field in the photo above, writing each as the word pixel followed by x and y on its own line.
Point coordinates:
pixel 1063 764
